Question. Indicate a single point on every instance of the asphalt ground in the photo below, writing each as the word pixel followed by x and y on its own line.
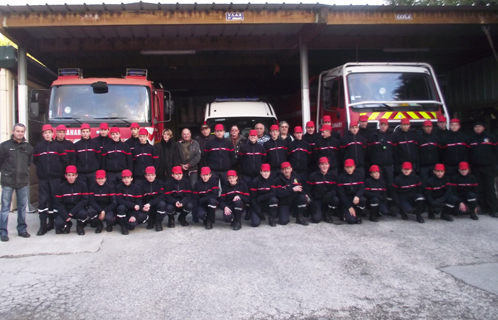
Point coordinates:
pixel 392 269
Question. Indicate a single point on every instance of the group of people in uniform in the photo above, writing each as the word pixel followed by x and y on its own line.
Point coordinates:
pixel 307 176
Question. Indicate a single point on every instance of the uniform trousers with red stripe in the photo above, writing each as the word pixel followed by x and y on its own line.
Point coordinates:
pixel 296 202
pixel 237 207
pixel 269 206
pixel 124 215
pixel 357 208
pixel 47 189
pixel 319 207
pixel 207 210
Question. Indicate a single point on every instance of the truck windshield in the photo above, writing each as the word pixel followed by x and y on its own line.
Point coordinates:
pixel 127 102
pixel 244 123
pixel 387 87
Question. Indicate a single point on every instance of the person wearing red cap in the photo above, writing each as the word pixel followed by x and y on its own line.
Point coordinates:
pixel 483 158
pixel 178 193
pixel 284 132
pixel 408 193
pixel 169 155
pixel 438 194
pixel 376 194
pixel 327 146
pixel 363 127
pixel 234 198
pixel 464 188
pixel 71 201
pixel 311 137
pixel 144 155
pixel 153 199
pixel 353 146
pixel 405 146
pixel 351 190
pixel 87 156
pixel 455 148
pixel 16 156
pixel 263 198
pixel 322 188
pixel 116 157
pixel 291 196
pixel 190 156
pixel 299 154
pixel 250 157
pixel 429 149
pixel 102 202
pixel 262 137
pixel 60 137
pixel 133 140
pixel 205 196
pixel 441 130
pixel 327 121
pixel 103 138
pixel 380 152
pixel 276 150
pixel 129 197
pixel 220 156
pixel 50 160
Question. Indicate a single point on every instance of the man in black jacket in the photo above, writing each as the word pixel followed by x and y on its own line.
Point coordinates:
pixel 455 148
pixel 220 155
pixel 429 149
pixel 291 196
pixel 16 155
pixel 60 137
pixel 405 147
pixel 102 202
pixel 350 189
pixel 87 156
pixel 116 157
pixel 103 138
pixel 483 158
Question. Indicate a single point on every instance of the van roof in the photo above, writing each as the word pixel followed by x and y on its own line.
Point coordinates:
pixel 239 109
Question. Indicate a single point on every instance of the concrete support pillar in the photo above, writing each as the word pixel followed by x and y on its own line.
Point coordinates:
pixel 305 86
pixel 22 87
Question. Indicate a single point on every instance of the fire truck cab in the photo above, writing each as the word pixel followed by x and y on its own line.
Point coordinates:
pixel 391 91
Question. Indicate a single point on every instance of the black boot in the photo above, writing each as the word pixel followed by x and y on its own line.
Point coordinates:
pixel 271 221
pixel 300 220
pixel 151 224
pixel 67 227
pixel 50 224
pixel 182 219
pixel 431 214
pixel 374 214
pixel 99 227
pixel 171 221
pixel 403 214
pixel 43 227
pixel 445 214
pixel 159 226
pixel 208 224
pixel 124 227
pixel 326 217
pixel 80 228
pixel 109 227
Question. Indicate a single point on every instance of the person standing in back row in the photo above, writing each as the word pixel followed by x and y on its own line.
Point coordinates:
pixel 16 155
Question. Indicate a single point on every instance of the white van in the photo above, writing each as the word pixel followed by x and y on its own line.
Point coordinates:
pixel 245 113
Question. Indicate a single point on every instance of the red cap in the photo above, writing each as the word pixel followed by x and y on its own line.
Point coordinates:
pixel 326 119
pixel 177 169
pixel 455 121
pixel 323 160
pixel 326 127
pixel 374 168
pixel 47 127
pixel 310 124
pixel 231 173
pixel 115 130
pixel 85 126
pixel 143 131
pixel 100 174
pixel 274 127
pixel 205 170
pixel 104 125
pixel 363 118
pixel 285 165
pixel 463 165
pixel 71 169
pixel 61 127
pixel 253 132
pixel 219 127
pixel 150 170
pixel 126 173
pixel 406 165
pixel 353 124
pixel 441 119
pixel 383 121
pixel 134 125
pixel 427 123
pixel 265 167
pixel 405 121
pixel 439 167
pixel 298 129
pixel 349 163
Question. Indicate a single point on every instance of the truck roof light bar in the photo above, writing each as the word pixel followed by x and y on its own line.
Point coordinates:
pixel 70 72
pixel 225 99
pixel 136 72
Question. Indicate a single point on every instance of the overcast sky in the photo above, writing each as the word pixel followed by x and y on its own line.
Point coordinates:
pixel 331 2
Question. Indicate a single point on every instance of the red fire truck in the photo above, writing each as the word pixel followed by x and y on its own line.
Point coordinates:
pixel 391 91
pixel 73 100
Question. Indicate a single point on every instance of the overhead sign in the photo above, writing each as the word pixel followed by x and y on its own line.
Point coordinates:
pixel 405 16
pixel 234 16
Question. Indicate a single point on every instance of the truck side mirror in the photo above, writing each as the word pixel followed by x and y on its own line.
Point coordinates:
pixel 38 102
